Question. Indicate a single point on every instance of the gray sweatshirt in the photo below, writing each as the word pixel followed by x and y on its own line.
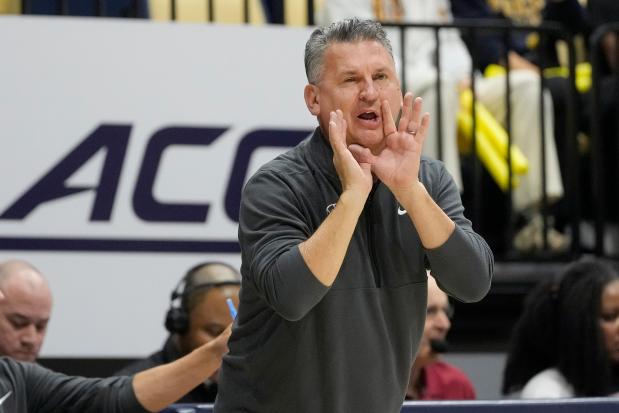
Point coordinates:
pixel 35 389
pixel 299 346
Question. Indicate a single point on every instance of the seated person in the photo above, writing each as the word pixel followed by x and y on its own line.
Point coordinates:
pixel 25 312
pixel 565 343
pixel 431 378
pixel 526 53
pixel 200 315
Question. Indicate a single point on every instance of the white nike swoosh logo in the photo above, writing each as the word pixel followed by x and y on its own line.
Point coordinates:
pixel 330 208
pixel 401 211
pixel 5 397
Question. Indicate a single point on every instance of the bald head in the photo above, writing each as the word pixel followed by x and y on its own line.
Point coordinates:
pixel 24 310
pixel 438 312
pixel 20 270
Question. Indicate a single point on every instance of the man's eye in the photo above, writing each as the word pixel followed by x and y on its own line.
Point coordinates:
pixel 609 317
pixel 214 331
pixel 380 76
pixel 19 324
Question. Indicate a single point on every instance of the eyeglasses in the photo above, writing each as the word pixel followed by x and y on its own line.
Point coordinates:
pixel 433 311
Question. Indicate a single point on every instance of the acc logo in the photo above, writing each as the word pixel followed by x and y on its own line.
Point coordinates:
pixel 113 140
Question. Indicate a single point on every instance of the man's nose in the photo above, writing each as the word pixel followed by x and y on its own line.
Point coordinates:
pixel 442 321
pixel 369 91
pixel 30 335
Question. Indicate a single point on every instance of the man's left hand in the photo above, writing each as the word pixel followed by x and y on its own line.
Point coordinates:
pixel 397 166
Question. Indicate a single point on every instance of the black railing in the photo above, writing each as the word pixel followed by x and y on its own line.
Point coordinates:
pixel 602 141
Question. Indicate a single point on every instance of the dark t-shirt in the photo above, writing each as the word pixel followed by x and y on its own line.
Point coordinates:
pixel 35 389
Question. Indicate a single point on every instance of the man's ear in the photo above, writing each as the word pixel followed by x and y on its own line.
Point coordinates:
pixel 310 93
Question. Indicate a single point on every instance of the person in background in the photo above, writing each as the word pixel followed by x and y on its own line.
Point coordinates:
pixel 26 311
pixel 198 314
pixel 432 378
pixel 528 53
pixel 529 349
pixel 566 342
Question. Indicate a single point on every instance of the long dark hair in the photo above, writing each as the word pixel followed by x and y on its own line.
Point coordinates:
pixel 559 327
pixel 533 338
pixel 581 352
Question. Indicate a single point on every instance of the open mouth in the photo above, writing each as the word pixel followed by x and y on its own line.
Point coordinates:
pixel 371 116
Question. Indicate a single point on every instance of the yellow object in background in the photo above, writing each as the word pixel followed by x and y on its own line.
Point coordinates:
pixel 10 6
pixel 493 70
pixel 296 12
pixel 225 11
pixel 490 158
pixel 495 133
pixel 583 74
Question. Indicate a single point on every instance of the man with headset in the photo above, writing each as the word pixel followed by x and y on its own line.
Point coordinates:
pixel 198 313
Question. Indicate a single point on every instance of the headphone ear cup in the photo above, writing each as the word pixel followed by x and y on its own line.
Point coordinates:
pixel 177 321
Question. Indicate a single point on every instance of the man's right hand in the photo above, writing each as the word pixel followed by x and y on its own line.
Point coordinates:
pixel 355 177
pixel 325 250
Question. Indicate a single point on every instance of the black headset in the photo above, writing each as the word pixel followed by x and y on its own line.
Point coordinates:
pixel 177 317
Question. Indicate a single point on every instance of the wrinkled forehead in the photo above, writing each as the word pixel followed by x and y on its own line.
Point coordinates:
pixel 360 49
pixel 33 311
pixel 352 57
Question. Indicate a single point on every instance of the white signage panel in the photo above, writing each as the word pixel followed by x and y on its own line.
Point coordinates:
pixel 123 148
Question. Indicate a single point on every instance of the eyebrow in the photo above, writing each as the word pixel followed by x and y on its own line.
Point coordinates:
pixel 354 71
pixel 349 72
pixel 22 317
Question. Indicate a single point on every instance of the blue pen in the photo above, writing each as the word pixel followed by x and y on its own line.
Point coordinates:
pixel 231 307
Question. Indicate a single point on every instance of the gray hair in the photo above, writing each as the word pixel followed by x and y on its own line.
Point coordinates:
pixel 348 30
